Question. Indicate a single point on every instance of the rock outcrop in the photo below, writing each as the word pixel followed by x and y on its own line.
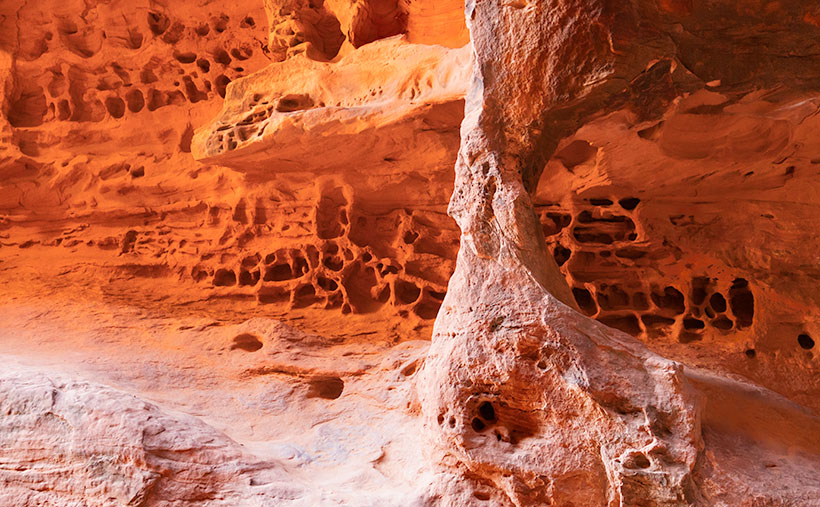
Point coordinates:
pixel 229 231
pixel 525 400
pixel 71 442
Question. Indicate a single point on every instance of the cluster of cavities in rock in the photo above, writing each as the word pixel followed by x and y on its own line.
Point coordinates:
pixel 228 137
pixel 253 125
pixel 603 252
pixel 161 60
pixel 405 258
pixel 334 256
pixel 261 106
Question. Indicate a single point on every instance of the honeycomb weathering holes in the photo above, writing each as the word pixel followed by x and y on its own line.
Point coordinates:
pixel 618 290
pixel 340 264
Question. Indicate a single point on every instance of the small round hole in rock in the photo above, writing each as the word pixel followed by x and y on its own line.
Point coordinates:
pixel 187 57
pixel 327 284
pixel 478 425
pixel 751 353
pixel 629 203
pixel 135 100
pixel 406 292
pixel 115 106
pixel 718 302
pixel 328 388
pixel 723 323
pixel 409 369
pixel 222 57
pixel 805 341
pixel 224 278
pixel 486 411
pixel 248 278
pixel 637 461
pixel 484 497
pixel 247 342
pixel 561 254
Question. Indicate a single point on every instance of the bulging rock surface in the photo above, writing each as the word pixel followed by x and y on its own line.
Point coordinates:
pixel 228 233
pixel 72 441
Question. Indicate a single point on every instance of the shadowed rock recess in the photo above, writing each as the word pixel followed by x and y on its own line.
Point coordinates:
pixel 239 269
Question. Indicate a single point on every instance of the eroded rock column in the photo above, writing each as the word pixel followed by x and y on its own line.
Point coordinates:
pixel 527 401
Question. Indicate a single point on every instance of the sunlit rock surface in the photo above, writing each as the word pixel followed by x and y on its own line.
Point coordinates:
pixel 239 268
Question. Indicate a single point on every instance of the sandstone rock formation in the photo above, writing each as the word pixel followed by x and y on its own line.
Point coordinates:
pixel 523 399
pixel 225 245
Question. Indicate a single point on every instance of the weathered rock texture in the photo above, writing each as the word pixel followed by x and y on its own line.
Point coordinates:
pixel 224 241
pixel 523 399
